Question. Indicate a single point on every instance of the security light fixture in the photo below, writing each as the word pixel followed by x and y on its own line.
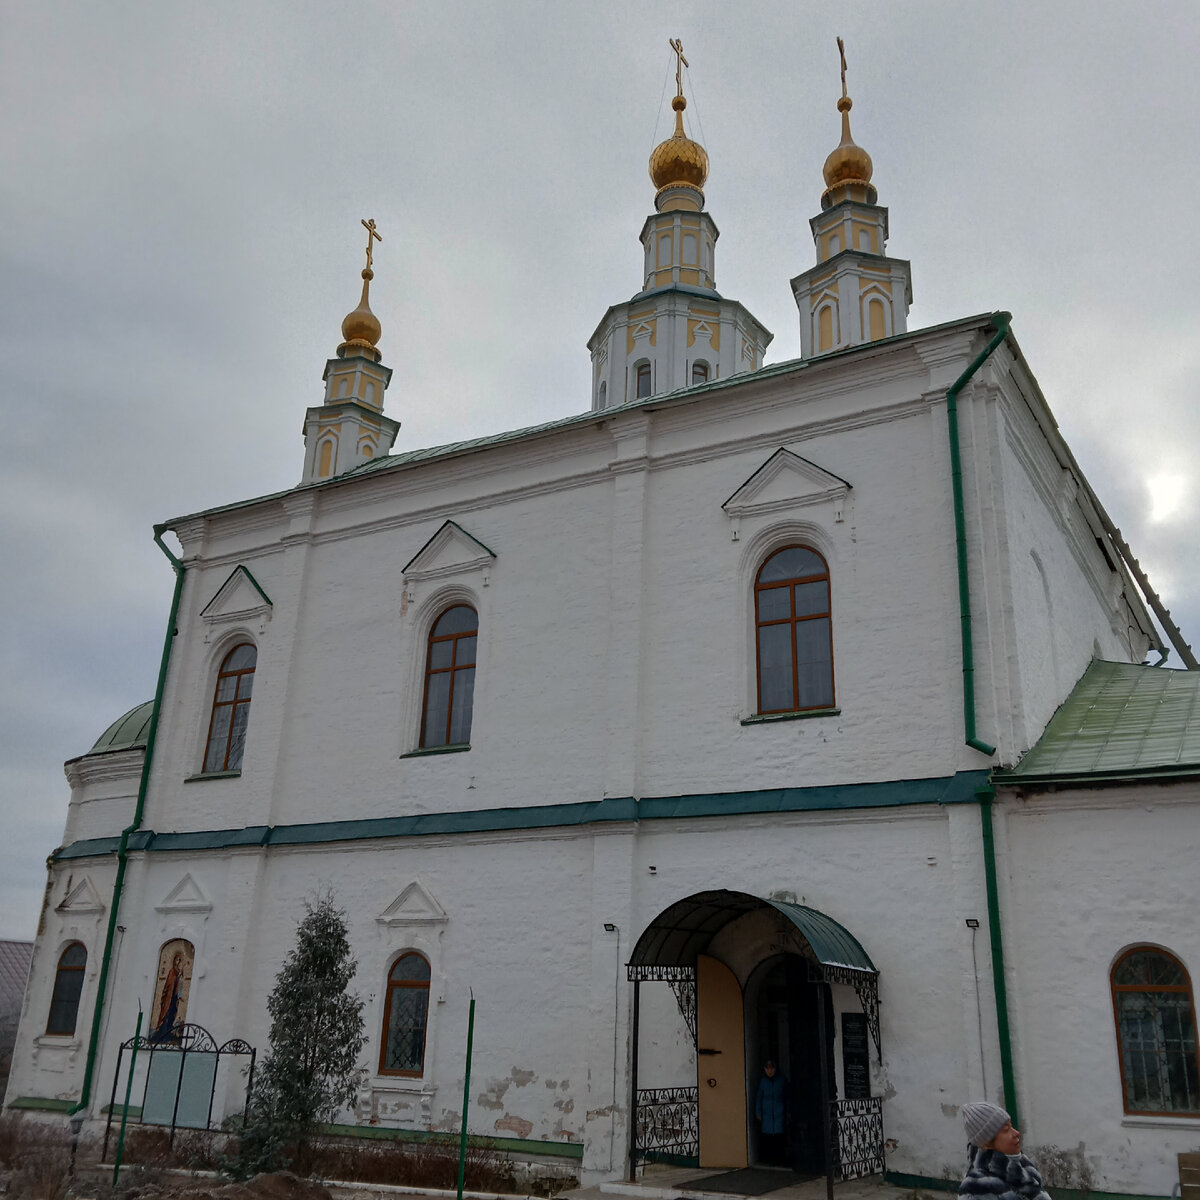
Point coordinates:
pixel 609 927
pixel 972 923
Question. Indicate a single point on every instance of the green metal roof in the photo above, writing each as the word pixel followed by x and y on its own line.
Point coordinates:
pixel 126 732
pixel 680 932
pixel 1121 719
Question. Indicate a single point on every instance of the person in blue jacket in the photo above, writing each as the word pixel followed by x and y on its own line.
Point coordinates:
pixel 770 1109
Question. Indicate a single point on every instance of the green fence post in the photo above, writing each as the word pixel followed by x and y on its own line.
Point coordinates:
pixel 137 1033
pixel 462 1141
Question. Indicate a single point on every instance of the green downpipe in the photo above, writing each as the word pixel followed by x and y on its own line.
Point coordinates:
pixel 135 824
pixel 993 901
pixel 1001 322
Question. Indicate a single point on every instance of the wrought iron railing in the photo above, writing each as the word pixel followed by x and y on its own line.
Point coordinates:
pixel 857 1134
pixel 666 1121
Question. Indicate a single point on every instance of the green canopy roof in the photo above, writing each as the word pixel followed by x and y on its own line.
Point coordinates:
pixel 126 732
pixel 1121 720
pixel 680 932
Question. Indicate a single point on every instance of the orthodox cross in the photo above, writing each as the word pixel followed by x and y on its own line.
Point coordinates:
pixel 372 236
pixel 680 62
pixel 842 52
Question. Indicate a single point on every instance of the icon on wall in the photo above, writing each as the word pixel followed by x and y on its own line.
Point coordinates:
pixel 171 986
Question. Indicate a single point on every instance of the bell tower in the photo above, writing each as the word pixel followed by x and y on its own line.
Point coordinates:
pixel 349 428
pixel 678 331
pixel 855 293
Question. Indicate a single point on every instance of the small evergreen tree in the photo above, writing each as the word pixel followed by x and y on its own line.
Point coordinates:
pixel 317 1032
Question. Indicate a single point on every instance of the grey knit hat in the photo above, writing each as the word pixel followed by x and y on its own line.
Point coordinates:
pixel 983 1121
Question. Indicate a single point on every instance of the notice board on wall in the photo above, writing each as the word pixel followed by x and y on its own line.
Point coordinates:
pixel 856 1061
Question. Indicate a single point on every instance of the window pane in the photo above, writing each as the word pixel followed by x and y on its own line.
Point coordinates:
pixel 793 563
pixel 815 681
pixel 237 742
pixel 699 373
pixel 459 619
pixel 774 603
pixel 464 652
pixel 406 1029
pixel 240 659
pixel 64 1002
pixel 812 598
pixel 226 688
pixel 74 956
pixel 643 381
pixel 410 966
pixel 1158 1051
pixel 460 719
pixel 245 685
pixel 437 700
pixel 439 655
pixel 218 738
pixel 775 668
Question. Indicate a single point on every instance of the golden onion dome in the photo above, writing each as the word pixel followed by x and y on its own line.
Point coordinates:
pixel 679 162
pixel 362 325
pixel 849 163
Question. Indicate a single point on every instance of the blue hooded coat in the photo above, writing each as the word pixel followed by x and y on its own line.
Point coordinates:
pixel 770 1103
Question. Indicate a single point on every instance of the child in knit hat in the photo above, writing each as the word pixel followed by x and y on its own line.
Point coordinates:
pixel 997 1168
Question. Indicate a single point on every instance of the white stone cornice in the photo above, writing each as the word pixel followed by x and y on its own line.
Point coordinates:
pixel 104 767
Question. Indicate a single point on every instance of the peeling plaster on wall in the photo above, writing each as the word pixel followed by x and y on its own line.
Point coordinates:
pixel 565 1104
pixel 493 1098
pixel 521 1078
pixel 593 1113
pixel 950 1110
pixel 518 1125
pixel 551 1083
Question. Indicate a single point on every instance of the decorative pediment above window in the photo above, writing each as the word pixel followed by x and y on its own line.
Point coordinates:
pixel 786 481
pixel 186 896
pixel 239 598
pixel 81 900
pixel 414 906
pixel 451 551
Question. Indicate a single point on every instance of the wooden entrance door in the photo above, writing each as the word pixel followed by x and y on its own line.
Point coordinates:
pixel 720 1065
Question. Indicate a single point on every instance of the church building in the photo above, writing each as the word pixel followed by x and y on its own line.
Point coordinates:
pixel 796 713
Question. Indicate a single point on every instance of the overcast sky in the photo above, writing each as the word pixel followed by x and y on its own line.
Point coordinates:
pixel 180 195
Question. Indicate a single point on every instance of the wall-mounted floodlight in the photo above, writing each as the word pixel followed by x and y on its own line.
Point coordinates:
pixel 609 927
pixel 972 923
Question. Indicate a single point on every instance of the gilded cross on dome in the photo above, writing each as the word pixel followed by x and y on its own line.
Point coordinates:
pixel 372 236
pixel 842 52
pixel 676 44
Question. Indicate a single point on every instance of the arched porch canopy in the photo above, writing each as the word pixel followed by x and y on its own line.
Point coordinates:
pixel 669 945
pixel 684 930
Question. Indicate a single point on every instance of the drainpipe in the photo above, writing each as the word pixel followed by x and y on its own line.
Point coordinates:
pixel 135 824
pixel 985 796
pixel 1001 321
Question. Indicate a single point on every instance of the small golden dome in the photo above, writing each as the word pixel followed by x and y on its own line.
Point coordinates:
pixel 362 325
pixel 679 162
pixel 849 163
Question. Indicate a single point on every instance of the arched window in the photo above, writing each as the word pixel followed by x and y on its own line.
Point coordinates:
pixel 699 372
pixel 1156 1032
pixel 603 398
pixel 68 987
pixel 793 632
pixel 450 678
pixel 230 710
pixel 643 380
pixel 405 1015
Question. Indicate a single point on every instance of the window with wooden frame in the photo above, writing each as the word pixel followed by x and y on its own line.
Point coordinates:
pixel 793 632
pixel 68 987
pixel 643 380
pixel 405 1016
pixel 450 678
pixel 1156 1033
pixel 699 372
pixel 230 711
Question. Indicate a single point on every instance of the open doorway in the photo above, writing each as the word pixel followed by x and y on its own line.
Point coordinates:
pixel 784 1027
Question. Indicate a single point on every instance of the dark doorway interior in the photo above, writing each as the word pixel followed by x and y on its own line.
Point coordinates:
pixel 783 1025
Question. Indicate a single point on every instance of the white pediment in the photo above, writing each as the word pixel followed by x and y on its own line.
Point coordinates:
pixel 239 598
pixel 186 896
pixel 784 481
pixel 82 898
pixel 414 906
pixel 451 551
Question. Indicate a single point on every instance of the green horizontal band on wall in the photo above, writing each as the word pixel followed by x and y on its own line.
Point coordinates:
pixel 40 1104
pixel 949 789
pixel 929 1184
pixel 506 1145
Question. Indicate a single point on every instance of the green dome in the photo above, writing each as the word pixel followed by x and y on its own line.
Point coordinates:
pixel 126 732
